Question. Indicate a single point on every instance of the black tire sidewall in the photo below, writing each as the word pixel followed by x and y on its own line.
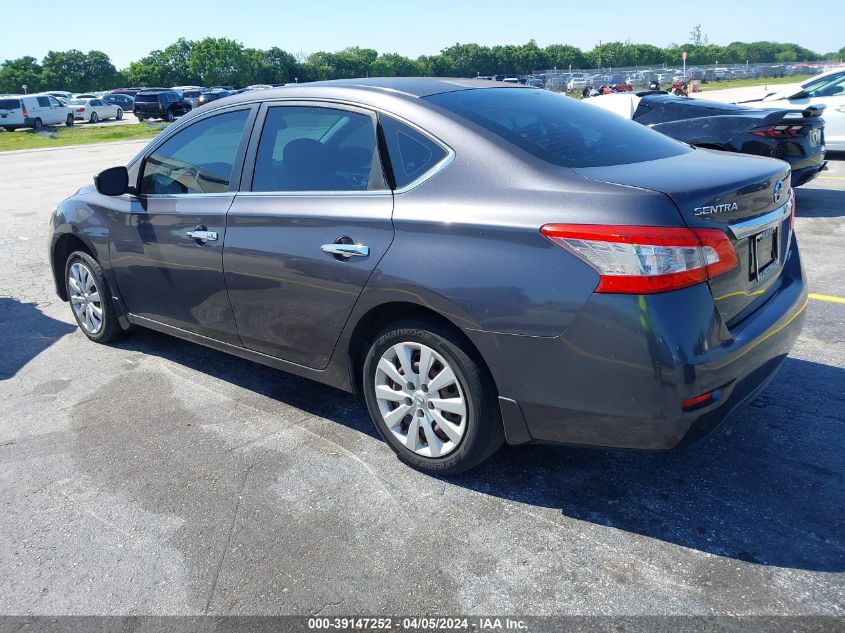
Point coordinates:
pixel 69 121
pixel 111 328
pixel 484 433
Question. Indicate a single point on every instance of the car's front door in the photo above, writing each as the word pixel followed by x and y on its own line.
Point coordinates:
pixel 167 241
pixel 311 223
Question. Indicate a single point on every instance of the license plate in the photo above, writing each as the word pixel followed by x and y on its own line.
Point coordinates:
pixel 765 252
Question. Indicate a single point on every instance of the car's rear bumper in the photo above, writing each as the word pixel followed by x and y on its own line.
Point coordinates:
pixel 620 373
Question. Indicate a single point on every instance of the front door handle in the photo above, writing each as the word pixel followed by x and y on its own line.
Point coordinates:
pixel 202 236
pixel 346 250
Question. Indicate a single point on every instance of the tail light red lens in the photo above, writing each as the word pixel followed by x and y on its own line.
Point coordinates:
pixel 197 103
pixel 82 109
pixel 646 259
pixel 780 131
pixel 25 113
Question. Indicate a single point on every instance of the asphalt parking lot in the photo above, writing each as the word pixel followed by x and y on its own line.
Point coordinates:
pixel 158 477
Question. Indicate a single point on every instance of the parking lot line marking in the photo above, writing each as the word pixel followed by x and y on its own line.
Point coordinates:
pixel 827 298
pixel 831 177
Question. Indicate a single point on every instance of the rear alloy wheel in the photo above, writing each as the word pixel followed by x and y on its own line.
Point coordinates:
pixel 69 121
pixel 432 401
pixel 94 117
pixel 119 114
pixel 90 298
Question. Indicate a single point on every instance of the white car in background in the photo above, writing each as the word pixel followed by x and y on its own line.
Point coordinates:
pixel 94 110
pixel 827 89
pixel 35 111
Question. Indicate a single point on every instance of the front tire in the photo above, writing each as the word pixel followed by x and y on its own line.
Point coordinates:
pixel 431 400
pixel 90 298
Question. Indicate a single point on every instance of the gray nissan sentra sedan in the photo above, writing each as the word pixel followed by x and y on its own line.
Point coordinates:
pixel 484 263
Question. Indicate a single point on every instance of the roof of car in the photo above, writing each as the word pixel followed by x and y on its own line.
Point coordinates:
pixel 411 86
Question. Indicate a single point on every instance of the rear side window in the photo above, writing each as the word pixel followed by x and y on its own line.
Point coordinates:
pixel 198 159
pixel 411 152
pixel 10 104
pixel 315 149
pixel 557 129
pixel 44 102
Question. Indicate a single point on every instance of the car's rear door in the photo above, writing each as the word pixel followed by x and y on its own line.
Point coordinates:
pixel 311 222
pixel 167 240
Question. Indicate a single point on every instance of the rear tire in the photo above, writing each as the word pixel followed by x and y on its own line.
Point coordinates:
pixel 69 121
pixel 140 118
pixel 443 421
pixel 169 116
pixel 91 299
pixel 38 125
pixel 119 114
pixel 95 118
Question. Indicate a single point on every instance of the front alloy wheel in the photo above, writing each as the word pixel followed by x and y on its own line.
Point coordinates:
pixel 85 298
pixel 90 298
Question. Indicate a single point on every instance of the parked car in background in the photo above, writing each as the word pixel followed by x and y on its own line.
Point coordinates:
pixel 94 110
pixel 822 91
pixel 207 96
pixel 124 101
pixel 190 96
pixel 59 94
pixel 125 91
pixel 483 262
pixel 158 103
pixel 35 111
pixel 795 136
pixel 86 95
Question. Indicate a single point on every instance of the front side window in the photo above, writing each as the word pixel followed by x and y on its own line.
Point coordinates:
pixel 198 159
pixel 44 102
pixel 306 148
pixel 55 102
pixel 834 86
pixel 557 129
pixel 412 153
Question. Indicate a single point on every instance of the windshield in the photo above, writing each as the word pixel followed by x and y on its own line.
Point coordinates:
pixel 558 129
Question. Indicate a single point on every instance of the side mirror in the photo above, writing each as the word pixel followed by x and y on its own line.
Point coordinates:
pixel 113 181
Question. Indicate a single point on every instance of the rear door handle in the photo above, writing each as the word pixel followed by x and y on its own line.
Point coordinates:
pixel 346 250
pixel 204 236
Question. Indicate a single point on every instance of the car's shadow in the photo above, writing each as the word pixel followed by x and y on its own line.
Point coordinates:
pixel 25 332
pixel 766 488
pixel 819 203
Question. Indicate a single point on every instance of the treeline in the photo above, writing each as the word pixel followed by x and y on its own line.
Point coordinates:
pixel 215 61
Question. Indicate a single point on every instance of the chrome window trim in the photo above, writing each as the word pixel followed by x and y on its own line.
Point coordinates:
pixel 433 171
pixel 303 194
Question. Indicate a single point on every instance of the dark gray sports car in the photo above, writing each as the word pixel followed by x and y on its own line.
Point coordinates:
pixel 482 262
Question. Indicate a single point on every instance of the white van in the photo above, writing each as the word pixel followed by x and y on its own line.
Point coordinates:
pixel 35 111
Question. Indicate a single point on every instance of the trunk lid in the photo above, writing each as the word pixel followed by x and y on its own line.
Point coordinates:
pixel 745 196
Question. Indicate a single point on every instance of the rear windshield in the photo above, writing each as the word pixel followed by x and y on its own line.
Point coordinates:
pixel 557 129
pixel 190 94
pixel 77 101
pixel 150 97
pixel 10 104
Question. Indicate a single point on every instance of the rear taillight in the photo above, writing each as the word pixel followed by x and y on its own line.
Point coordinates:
pixel 82 109
pixel 197 103
pixel 646 259
pixel 25 113
pixel 780 131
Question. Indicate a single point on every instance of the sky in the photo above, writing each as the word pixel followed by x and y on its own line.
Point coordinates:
pixel 127 31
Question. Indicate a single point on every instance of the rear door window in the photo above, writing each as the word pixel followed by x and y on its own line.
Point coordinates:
pixel 557 129
pixel 197 159
pixel 412 153
pixel 305 148
pixel 44 102
pixel 10 104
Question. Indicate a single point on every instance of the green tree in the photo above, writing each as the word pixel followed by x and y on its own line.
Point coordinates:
pixel 15 73
pixel 76 71
pixel 217 61
pixel 563 55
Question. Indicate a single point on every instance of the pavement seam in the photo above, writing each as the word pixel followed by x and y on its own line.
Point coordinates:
pixel 228 540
